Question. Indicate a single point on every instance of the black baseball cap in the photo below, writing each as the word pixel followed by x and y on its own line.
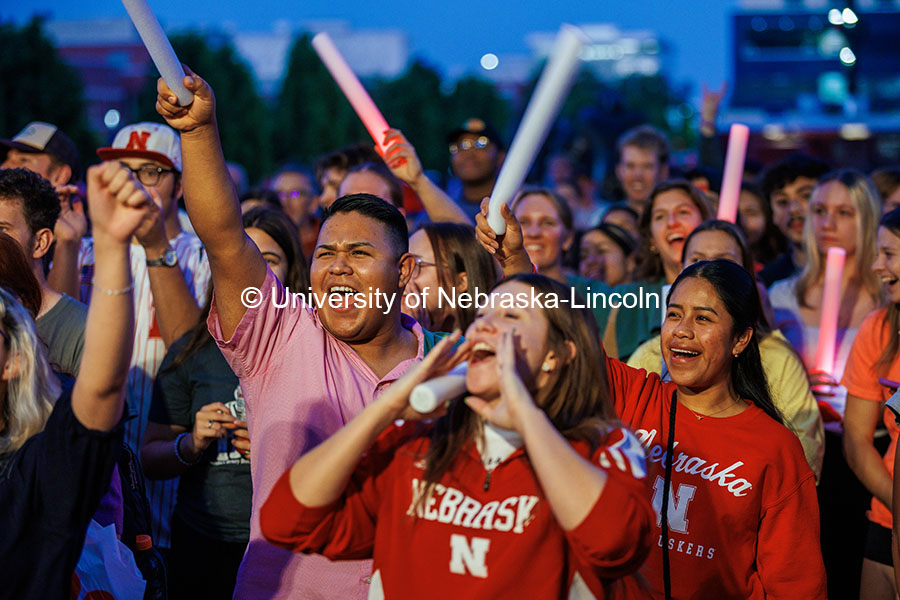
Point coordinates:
pixel 475 126
pixel 46 138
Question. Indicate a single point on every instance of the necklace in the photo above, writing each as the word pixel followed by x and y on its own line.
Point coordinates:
pixel 712 414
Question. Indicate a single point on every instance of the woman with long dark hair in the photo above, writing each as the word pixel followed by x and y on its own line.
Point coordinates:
pixel 526 489
pixel 736 498
pixel 197 430
pixel 764 238
pixel 785 373
pixel 672 212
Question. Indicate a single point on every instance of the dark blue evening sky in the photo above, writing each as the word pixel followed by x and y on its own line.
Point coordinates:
pixel 455 33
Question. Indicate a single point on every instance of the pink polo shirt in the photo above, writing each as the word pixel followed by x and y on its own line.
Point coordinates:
pixel 300 385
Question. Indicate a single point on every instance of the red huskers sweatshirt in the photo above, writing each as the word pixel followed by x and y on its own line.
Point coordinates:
pixel 478 536
pixel 743 514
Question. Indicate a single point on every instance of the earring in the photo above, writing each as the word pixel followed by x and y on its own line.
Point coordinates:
pixel 736 354
pixel 546 367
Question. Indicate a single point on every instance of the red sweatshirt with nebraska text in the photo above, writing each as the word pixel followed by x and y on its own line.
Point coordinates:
pixel 743 514
pixel 478 536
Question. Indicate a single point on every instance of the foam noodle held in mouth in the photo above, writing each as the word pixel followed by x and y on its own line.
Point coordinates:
pixel 349 83
pixel 159 48
pixel 831 303
pixel 734 172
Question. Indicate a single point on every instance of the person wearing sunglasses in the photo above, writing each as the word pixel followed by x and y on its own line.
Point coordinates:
pixel 476 154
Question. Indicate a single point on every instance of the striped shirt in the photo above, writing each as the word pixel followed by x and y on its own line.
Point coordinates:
pixel 148 354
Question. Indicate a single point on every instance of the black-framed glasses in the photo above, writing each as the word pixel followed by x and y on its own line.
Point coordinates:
pixel 467 144
pixel 148 174
pixel 420 262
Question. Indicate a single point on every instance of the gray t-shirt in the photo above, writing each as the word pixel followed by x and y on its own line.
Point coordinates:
pixel 62 332
pixel 214 496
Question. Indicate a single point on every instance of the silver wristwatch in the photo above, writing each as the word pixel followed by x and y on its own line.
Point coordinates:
pixel 168 259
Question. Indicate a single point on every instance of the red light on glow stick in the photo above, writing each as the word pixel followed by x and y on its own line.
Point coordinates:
pixel 734 172
pixel 831 304
pixel 349 83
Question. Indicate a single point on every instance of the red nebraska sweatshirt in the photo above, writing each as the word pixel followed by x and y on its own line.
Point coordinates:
pixel 743 514
pixel 478 536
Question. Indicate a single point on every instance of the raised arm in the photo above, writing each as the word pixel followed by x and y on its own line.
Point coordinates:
pixel 507 249
pixel 403 162
pixel 70 227
pixel 211 201
pixel 176 308
pixel 117 204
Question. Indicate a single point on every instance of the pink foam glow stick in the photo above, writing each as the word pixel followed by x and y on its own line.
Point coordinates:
pixel 349 83
pixel 734 172
pixel 831 304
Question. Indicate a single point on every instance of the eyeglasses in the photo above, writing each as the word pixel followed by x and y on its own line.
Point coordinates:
pixel 148 174
pixel 417 268
pixel 293 194
pixel 467 144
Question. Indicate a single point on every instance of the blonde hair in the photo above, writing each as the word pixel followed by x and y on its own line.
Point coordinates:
pixel 868 211
pixel 31 394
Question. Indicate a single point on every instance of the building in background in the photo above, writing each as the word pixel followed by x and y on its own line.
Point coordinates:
pixel 820 76
pixel 612 55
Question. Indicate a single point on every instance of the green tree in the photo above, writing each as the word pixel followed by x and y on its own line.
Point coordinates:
pixel 413 103
pixel 243 118
pixel 39 86
pixel 312 116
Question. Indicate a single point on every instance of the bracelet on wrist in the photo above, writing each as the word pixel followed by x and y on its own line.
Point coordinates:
pixel 188 463
pixel 121 292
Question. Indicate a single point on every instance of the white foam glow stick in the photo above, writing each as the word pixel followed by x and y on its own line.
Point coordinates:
pixel 427 396
pixel 349 83
pixel 831 304
pixel 551 90
pixel 734 172
pixel 159 47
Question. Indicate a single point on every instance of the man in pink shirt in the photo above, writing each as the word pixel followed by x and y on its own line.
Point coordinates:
pixel 304 372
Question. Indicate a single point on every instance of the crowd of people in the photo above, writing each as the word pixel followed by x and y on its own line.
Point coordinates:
pixel 150 323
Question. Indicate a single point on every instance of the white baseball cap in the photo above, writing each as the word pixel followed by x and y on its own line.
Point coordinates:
pixel 153 141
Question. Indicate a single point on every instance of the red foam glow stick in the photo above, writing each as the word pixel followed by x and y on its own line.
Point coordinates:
pixel 831 304
pixel 734 172
pixel 349 83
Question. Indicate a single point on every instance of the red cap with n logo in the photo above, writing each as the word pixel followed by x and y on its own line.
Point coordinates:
pixel 153 141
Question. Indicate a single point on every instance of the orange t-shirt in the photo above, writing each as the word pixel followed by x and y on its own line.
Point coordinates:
pixel 861 379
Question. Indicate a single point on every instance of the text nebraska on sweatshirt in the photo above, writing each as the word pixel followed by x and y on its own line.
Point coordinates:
pixel 449 505
pixel 684 463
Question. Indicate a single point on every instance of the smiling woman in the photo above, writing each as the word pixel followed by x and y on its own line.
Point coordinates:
pixel 528 486
pixel 706 428
pixel 672 212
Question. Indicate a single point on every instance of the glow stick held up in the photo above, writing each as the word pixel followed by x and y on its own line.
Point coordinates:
pixel 427 396
pixel 159 48
pixel 831 304
pixel 354 91
pixel 734 172
pixel 551 90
